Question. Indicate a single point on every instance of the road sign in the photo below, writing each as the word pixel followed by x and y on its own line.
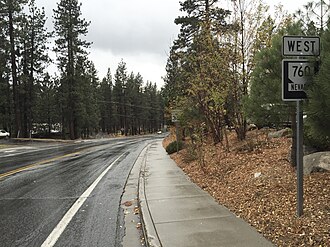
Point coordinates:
pixel 295 75
pixel 301 46
pixel 175 115
pixel 174 118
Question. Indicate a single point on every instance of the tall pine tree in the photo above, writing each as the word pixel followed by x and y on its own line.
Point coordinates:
pixel 105 103
pixel 318 107
pixel 70 47
pixel 34 58
pixel 197 67
pixel 119 97
pixel 11 17
pixel 5 92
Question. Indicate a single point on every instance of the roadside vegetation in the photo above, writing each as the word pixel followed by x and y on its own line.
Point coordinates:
pixel 256 182
pixel 224 75
pixel 224 71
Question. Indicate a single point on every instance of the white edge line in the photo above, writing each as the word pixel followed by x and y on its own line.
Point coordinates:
pixel 58 230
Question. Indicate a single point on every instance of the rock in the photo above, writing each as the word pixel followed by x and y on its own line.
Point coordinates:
pixel 252 127
pixel 280 133
pixel 316 162
pixel 257 174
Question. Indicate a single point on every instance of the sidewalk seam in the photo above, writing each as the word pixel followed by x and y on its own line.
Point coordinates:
pixel 194 219
pixel 177 197
pixel 174 198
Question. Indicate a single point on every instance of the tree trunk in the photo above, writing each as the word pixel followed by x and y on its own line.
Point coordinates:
pixel 17 113
pixel 30 92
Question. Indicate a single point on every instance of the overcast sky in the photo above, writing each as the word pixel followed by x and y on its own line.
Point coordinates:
pixel 138 31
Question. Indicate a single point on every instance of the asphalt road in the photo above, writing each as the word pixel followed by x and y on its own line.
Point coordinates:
pixel 65 194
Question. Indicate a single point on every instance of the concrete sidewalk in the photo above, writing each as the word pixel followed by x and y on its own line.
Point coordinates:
pixel 177 213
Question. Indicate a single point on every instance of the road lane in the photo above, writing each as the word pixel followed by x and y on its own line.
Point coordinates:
pixel 26 167
pixel 34 201
pixel 59 229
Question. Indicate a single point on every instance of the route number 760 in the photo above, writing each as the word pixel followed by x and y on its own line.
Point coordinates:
pixel 302 71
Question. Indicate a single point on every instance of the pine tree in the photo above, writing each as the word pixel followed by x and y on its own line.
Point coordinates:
pixel 175 86
pixel 150 106
pixel 318 107
pixel 261 106
pixel 69 27
pixel 209 80
pixel 136 102
pixel 11 16
pixel 199 12
pixel 197 67
pixel 34 59
pixel 46 103
pixel 105 103
pixel 119 97
pixel 86 111
pixel 5 92
pixel 313 17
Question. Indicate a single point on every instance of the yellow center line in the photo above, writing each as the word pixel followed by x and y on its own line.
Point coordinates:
pixel 6 174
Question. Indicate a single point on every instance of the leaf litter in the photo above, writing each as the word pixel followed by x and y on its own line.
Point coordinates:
pixel 267 201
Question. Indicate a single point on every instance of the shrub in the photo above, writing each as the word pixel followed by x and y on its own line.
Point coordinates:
pixel 192 153
pixel 172 147
pixel 316 139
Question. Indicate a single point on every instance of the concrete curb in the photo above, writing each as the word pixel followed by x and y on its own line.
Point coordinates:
pixel 134 235
pixel 151 235
pixel 176 212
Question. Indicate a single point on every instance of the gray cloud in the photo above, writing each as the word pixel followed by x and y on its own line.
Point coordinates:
pixel 131 26
pixel 138 31
pixel 134 29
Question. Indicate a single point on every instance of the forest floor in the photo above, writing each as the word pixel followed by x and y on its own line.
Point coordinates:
pixel 256 182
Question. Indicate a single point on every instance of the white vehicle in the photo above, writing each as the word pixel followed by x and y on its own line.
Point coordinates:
pixel 4 134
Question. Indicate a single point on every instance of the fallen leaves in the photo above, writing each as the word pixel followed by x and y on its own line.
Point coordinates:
pixel 128 203
pixel 266 201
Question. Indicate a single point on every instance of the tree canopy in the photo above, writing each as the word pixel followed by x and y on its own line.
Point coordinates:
pixel 75 103
pixel 225 67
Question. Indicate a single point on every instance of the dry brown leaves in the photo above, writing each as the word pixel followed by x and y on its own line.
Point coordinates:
pixel 260 187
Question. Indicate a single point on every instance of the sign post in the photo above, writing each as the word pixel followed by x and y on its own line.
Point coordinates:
pixel 300 159
pixel 175 119
pixel 296 73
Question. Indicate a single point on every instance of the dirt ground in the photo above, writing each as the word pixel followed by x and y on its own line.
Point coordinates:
pixel 256 181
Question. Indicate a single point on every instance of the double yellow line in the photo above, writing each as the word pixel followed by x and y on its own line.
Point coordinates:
pixel 6 174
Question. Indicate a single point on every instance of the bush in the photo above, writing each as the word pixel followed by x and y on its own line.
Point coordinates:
pixel 315 139
pixel 192 153
pixel 172 147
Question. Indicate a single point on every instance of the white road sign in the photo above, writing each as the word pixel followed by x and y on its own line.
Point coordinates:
pixel 296 74
pixel 175 115
pixel 299 74
pixel 174 118
pixel 301 46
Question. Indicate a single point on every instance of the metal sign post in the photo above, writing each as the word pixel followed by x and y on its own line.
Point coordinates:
pixel 175 119
pixel 177 136
pixel 300 157
pixel 295 74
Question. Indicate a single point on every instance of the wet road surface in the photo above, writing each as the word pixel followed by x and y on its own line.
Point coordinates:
pixel 65 194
